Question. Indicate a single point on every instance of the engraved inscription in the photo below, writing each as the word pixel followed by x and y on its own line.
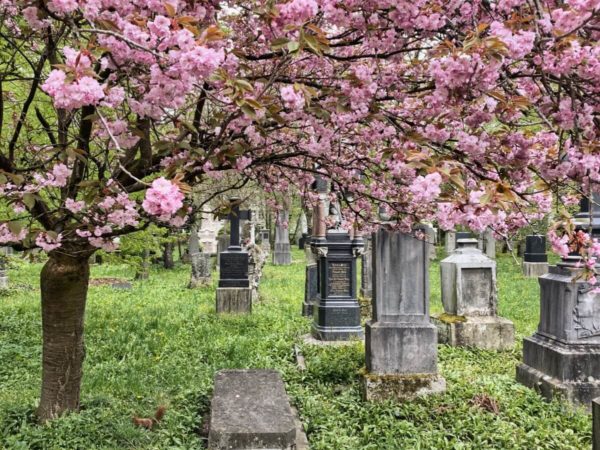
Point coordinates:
pixel 339 279
pixel 234 265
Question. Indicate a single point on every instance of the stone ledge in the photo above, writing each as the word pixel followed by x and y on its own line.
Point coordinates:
pixel 485 332
pixel 578 393
pixel 400 387
pixel 310 340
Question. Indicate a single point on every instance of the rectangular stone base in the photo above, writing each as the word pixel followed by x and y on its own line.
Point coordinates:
pixel 405 387
pixel 401 348
pixel 486 332
pixel 534 270
pixel 578 393
pixel 337 320
pixel 234 300
pixel 556 369
pixel 250 410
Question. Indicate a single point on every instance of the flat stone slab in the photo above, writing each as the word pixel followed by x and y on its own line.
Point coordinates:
pixel 250 410
pixel 401 387
pixel 311 340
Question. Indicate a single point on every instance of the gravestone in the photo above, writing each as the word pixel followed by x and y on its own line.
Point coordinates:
pixel 450 242
pixel 430 238
pixel 489 243
pixel 208 232
pixel 366 275
pixel 265 243
pixel 311 288
pixel 201 269
pixel 250 410
pixel 282 255
pixel 563 357
pixel 222 244
pixel 535 259
pixel 234 293
pixel 400 343
pixel 301 228
pixel 3 273
pixel 122 285
pixel 596 424
pixel 256 262
pixel 303 241
pixel 336 311
pixel 470 301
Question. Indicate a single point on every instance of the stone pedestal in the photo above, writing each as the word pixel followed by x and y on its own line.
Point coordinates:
pixel 535 259
pixel 470 301
pixel 366 278
pixel 336 312
pixel 282 255
pixel 234 300
pixel 563 357
pixel 401 344
pixel 596 424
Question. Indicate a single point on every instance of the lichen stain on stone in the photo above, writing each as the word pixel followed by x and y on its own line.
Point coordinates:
pixel 450 318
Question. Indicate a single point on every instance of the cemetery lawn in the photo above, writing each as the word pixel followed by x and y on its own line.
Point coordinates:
pixel 161 343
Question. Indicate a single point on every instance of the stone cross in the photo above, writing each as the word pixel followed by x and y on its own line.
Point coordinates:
pixel 235 216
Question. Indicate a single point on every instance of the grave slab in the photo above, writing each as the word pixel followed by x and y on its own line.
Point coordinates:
pixel 250 410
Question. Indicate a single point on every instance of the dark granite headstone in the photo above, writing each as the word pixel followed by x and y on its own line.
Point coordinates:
pixel 596 424
pixel 250 410
pixel 303 240
pixel 336 311
pixel 535 249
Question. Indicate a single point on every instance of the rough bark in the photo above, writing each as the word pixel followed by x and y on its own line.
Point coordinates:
pixel 64 284
pixel 168 262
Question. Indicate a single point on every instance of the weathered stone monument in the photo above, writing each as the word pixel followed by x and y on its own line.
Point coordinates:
pixel 470 301
pixel 311 288
pixel 222 244
pixel 450 242
pixel 366 275
pixel 596 424
pixel 3 273
pixel 430 237
pixel 282 255
pixel 256 262
pixel 535 259
pixel 250 410
pixel 401 343
pixel 489 243
pixel 563 357
pixel 234 293
pixel 265 243
pixel 208 232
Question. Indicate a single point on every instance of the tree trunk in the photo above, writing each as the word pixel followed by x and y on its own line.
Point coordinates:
pixel 168 262
pixel 64 284
pixel 144 271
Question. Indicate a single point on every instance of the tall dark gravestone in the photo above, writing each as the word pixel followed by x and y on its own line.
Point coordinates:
pixel 234 293
pixel 400 342
pixel 336 314
pixel 562 359
pixel 535 259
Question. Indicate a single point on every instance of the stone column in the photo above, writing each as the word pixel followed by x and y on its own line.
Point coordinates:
pixel 336 311
pixel 489 243
pixel 281 252
pixel 535 259
pixel 401 343
pixel 470 301
pixel 366 279
pixel 450 243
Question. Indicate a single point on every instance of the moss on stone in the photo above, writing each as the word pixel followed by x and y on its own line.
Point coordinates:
pixel 451 318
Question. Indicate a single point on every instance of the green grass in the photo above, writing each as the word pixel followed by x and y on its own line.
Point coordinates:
pixel 161 343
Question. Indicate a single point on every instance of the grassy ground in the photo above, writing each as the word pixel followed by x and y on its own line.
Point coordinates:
pixel 161 343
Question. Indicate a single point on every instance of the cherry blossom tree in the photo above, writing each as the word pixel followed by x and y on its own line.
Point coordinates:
pixel 466 112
